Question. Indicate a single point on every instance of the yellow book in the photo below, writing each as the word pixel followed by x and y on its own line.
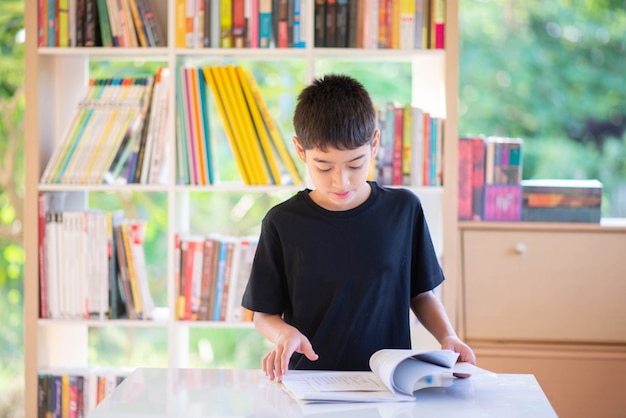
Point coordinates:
pixel 277 139
pixel 181 24
pixel 230 105
pixel 210 76
pixel 407 24
pixel 261 130
pixel 394 32
pixel 132 273
pixel 64 23
pixel 65 396
pixel 139 27
pixel 249 136
pixel 226 23
pixel 107 123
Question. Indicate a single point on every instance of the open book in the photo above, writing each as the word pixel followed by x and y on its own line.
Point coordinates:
pixel 395 375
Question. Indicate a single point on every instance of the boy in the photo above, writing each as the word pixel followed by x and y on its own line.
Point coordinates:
pixel 337 268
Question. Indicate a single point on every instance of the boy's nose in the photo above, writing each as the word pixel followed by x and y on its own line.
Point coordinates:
pixel 340 178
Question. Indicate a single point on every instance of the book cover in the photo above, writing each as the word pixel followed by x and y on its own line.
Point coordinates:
pixel 278 142
pixel 220 280
pixel 561 214
pixel 238 24
pixel 330 36
pixel 208 278
pixel 398 140
pixel 265 23
pixel 140 28
pixel 503 202
pixel 478 176
pixel 216 87
pixel 252 29
pixel 137 233
pixel 282 26
pixel 226 23
pixel 260 131
pixel 233 108
pixel 244 126
pixel 124 274
pixel 465 179
pixel 320 23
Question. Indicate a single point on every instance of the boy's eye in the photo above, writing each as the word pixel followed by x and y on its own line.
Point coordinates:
pixel 357 167
pixel 323 170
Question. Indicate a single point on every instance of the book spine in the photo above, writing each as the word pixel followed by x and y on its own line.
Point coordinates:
pixel 238 24
pixel 465 179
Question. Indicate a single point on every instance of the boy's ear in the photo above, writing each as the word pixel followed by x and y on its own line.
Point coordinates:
pixel 299 148
pixel 375 143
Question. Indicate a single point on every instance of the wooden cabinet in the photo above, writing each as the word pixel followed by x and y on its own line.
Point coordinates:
pixel 548 299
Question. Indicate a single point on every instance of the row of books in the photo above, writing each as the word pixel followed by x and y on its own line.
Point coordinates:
pixel 371 24
pixel 239 24
pixel 90 23
pixel 212 273
pixel 410 151
pixel 490 172
pixel 75 392
pixel 116 135
pixel 260 152
pixel 92 265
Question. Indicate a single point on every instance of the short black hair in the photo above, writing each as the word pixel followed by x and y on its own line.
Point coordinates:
pixel 336 111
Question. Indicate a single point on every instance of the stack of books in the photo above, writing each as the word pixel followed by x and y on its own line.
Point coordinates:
pixel 490 172
pixel 410 151
pixel 117 134
pixel 260 152
pixel 552 200
pixel 105 23
pixel 211 276
pixel 92 264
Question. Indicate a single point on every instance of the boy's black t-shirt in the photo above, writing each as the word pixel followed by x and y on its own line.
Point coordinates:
pixel 344 278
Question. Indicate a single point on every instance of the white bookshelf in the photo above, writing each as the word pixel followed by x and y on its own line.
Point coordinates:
pixel 55 81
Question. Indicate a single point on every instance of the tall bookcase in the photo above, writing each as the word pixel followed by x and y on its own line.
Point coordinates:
pixel 55 80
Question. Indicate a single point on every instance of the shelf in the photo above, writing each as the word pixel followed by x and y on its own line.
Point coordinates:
pixel 55 82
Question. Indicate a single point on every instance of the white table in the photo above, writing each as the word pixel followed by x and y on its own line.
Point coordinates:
pixel 248 393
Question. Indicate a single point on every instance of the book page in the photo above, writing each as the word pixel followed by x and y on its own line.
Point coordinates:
pixel 334 386
pixel 401 370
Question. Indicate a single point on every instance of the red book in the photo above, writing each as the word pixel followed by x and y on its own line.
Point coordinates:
pixel 239 24
pixel 283 24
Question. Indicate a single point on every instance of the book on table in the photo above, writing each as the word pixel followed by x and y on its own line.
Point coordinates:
pixel 395 375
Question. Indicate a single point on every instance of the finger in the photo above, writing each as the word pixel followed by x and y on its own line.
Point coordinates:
pixel 268 365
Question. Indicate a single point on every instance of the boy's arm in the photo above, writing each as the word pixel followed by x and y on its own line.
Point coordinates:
pixel 286 339
pixel 431 313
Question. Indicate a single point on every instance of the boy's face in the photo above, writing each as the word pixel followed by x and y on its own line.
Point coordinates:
pixel 339 176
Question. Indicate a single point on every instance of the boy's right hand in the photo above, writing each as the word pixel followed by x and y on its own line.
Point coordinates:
pixel 276 362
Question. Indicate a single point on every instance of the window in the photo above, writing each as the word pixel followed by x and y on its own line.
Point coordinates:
pixel 552 74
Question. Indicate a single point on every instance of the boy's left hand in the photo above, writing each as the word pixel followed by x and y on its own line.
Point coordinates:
pixel 455 344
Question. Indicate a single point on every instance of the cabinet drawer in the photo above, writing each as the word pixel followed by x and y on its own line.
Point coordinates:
pixel 544 285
